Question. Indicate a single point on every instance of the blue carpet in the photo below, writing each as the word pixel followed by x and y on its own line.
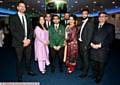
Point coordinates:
pixel 8 73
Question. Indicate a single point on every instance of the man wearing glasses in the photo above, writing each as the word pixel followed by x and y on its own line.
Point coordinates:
pixel 103 36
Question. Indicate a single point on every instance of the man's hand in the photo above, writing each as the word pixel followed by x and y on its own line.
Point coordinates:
pixel 26 42
pixel 95 46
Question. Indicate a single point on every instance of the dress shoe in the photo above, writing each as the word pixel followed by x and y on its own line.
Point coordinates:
pixel 19 79
pixel 98 80
pixel 61 70
pixel 91 76
pixel 31 73
pixel 83 76
pixel 52 70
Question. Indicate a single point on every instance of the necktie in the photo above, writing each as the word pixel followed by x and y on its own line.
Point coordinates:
pixel 100 26
pixel 23 22
pixel 56 27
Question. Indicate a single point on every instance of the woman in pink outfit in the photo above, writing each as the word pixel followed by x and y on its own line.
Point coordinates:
pixel 41 45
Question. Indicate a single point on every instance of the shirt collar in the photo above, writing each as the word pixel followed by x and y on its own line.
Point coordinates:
pixel 85 20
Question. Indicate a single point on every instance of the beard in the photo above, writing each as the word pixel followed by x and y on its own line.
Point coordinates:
pixel 83 18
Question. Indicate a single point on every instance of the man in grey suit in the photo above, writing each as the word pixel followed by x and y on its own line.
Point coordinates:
pixel 85 34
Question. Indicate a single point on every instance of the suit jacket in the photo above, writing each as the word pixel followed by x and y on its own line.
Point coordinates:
pixel 105 36
pixel 18 32
pixel 49 25
pixel 57 37
pixel 63 23
pixel 87 33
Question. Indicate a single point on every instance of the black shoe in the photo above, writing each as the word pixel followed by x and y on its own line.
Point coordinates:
pixel 19 79
pixel 91 76
pixel 83 76
pixel 98 80
pixel 52 70
pixel 31 73
pixel 61 70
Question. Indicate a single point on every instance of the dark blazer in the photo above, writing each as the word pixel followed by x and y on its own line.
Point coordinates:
pixel 49 25
pixel 105 36
pixel 63 23
pixel 87 33
pixel 17 30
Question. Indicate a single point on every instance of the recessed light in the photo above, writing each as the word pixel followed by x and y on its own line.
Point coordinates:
pixel 38 1
pixel 72 6
pixel 86 6
pixel 13 6
pixel 101 6
pixel 113 2
pixel 76 2
pixel 28 6
pixel 1 1
pixel 94 2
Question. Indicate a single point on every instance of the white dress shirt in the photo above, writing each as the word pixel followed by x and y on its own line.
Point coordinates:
pixel 56 26
pixel 81 29
pixel 48 23
pixel 25 22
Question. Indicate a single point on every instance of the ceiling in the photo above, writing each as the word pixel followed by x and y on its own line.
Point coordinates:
pixel 73 6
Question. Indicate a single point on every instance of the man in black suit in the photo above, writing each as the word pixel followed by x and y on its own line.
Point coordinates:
pixel 103 36
pixel 21 39
pixel 48 20
pixel 65 21
pixel 85 35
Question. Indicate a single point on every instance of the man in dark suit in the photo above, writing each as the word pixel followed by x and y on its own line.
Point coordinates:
pixel 85 35
pixel 103 36
pixel 65 21
pixel 21 39
pixel 48 21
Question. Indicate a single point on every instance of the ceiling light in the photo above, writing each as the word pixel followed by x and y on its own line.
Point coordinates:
pixel 101 6
pixel 28 6
pixel 1 1
pixel 94 2
pixel 38 1
pixel 76 2
pixel 72 6
pixel 13 6
pixel 113 2
pixel 86 6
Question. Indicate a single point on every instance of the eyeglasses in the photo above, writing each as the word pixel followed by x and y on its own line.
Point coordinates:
pixel 102 16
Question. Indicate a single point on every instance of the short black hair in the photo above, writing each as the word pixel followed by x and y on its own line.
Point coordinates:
pixel 102 13
pixel 55 16
pixel 21 2
pixel 85 10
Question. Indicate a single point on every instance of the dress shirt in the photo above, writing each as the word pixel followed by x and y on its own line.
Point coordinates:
pixel 81 29
pixel 25 23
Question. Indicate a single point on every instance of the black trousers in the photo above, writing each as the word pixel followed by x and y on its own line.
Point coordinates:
pixel 98 69
pixel 84 58
pixel 23 53
pixel 56 54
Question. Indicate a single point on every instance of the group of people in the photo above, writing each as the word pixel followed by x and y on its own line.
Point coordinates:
pixel 64 40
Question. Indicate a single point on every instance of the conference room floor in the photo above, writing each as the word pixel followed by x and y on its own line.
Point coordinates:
pixel 8 73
